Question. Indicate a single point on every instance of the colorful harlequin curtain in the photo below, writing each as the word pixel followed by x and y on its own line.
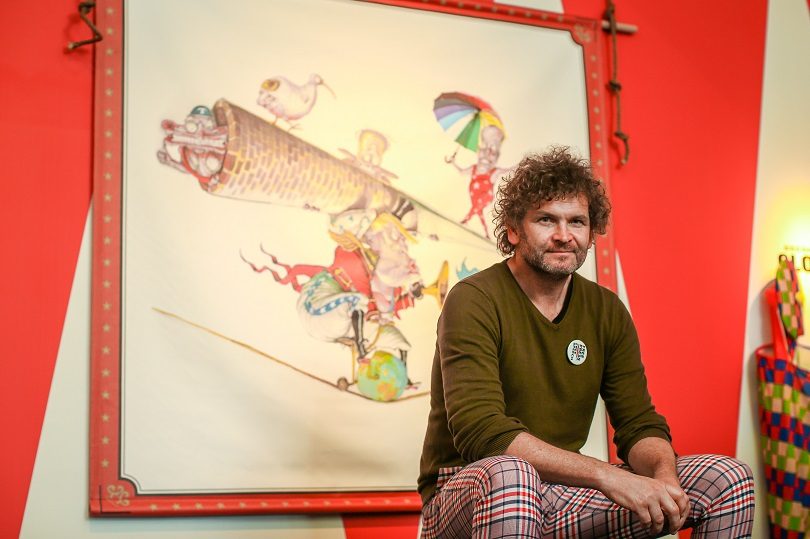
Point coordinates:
pixel 784 400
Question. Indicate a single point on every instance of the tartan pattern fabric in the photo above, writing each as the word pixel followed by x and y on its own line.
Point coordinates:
pixel 787 294
pixel 503 497
pixel 784 398
pixel 508 494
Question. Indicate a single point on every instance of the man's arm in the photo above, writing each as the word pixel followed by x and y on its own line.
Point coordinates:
pixel 468 341
pixel 641 434
pixel 656 500
pixel 654 457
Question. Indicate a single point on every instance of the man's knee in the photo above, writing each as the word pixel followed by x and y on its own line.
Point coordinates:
pixel 740 468
pixel 721 492
pixel 737 472
pixel 508 472
pixel 510 501
pixel 717 473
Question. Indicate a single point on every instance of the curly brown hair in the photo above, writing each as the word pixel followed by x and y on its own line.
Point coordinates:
pixel 553 175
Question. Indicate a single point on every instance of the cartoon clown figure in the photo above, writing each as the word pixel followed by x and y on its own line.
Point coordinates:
pixel 333 303
pixel 483 174
pixel 196 147
pixel 371 279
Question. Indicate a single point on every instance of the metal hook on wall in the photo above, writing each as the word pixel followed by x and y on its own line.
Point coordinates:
pixel 614 84
pixel 84 9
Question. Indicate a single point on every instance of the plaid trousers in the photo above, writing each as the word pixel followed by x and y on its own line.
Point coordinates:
pixel 504 497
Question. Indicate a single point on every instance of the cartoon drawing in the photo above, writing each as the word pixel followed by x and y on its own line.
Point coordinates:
pixel 289 101
pixel 463 272
pixel 371 146
pixel 197 146
pixel 481 131
pixel 256 167
pixel 355 301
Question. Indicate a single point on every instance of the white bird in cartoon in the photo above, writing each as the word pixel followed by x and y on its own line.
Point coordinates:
pixel 289 101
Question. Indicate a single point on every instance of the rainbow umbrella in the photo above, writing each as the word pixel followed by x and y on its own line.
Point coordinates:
pixel 453 109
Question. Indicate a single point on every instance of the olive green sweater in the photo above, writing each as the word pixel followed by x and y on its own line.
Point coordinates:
pixel 502 368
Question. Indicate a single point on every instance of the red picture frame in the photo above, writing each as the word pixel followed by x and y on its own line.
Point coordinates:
pixel 110 494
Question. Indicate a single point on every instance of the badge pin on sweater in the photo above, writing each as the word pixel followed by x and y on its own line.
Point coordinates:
pixel 577 352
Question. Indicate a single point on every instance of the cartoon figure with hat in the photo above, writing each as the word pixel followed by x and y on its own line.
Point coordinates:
pixel 371 145
pixel 371 279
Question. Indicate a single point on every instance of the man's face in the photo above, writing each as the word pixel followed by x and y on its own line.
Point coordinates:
pixel 554 237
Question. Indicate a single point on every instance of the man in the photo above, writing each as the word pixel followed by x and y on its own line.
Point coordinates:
pixel 523 350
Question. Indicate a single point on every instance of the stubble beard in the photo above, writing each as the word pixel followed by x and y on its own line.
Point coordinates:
pixel 538 261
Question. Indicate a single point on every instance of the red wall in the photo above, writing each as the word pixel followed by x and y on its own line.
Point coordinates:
pixel 692 85
pixel 45 126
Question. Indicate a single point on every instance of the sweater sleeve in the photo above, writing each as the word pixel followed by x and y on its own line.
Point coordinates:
pixel 469 337
pixel 624 388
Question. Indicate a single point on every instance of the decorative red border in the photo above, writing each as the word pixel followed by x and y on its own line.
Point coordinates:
pixel 109 493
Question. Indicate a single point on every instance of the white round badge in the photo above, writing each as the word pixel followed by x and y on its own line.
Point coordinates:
pixel 577 352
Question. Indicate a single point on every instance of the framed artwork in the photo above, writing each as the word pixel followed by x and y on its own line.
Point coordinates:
pixel 284 193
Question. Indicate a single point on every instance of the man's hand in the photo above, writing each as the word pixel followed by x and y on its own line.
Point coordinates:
pixel 673 486
pixel 653 492
pixel 659 505
pixel 654 458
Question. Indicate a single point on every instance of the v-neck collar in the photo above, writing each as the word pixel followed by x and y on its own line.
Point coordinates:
pixel 560 318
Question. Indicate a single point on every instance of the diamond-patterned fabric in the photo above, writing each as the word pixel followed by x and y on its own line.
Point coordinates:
pixel 784 396
pixel 784 414
pixel 787 294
